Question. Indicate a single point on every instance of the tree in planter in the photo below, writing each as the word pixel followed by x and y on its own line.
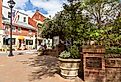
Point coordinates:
pixel 69 24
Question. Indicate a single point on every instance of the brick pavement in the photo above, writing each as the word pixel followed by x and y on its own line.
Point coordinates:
pixel 16 69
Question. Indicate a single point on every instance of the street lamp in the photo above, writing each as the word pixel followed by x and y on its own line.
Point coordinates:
pixel 11 4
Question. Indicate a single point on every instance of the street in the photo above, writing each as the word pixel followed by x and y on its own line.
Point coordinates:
pixel 19 52
pixel 18 69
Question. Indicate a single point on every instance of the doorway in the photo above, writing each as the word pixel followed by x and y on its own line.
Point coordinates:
pixel 20 43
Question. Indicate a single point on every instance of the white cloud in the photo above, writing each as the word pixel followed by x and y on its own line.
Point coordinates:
pixel 51 6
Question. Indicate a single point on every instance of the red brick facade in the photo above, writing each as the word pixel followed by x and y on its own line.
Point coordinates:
pixel 94 64
pixel 32 22
pixel 23 32
pixel 36 18
pixel 39 17
pixel 98 66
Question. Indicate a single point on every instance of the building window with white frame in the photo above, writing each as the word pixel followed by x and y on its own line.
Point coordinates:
pixel 24 20
pixel 19 29
pixel 9 14
pixel 18 17
pixel 6 27
pixel 14 29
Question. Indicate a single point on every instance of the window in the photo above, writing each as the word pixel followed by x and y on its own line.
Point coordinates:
pixel 29 42
pixel 18 17
pixel 30 31
pixel 6 41
pixel 19 29
pixel 24 19
pixel 14 29
pixel 9 14
pixel 6 27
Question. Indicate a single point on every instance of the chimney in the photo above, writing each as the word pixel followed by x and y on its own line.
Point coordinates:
pixel 1 13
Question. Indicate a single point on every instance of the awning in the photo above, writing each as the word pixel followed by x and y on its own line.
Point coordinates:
pixel 39 38
pixel 21 37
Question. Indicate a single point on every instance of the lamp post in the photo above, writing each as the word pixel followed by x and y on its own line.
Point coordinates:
pixel 11 4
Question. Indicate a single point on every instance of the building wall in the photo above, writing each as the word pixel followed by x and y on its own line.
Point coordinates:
pixel 38 16
pixel 34 21
pixel 16 13
pixel 20 21
pixel 21 18
pixel 22 32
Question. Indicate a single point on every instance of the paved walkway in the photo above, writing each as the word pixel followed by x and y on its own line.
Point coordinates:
pixel 19 51
pixel 18 69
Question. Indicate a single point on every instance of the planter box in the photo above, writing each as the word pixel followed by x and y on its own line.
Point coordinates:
pixel 69 68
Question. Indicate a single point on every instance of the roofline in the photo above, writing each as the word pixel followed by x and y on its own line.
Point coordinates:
pixel 39 12
pixel 7 22
pixel 15 10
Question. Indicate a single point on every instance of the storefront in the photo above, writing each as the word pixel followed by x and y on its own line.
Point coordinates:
pixel 20 42
pixel 6 41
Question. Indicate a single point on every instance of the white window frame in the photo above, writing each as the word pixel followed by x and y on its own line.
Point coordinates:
pixel 13 29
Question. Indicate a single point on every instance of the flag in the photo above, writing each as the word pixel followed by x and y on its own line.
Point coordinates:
pixel 15 16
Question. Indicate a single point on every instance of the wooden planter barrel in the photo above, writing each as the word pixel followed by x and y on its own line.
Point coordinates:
pixel 69 68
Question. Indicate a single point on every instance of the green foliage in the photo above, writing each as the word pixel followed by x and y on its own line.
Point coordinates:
pixel 107 24
pixel 113 50
pixel 65 54
pixel 72 24
pixel 102 12
pixel 67 24
pixel 74 52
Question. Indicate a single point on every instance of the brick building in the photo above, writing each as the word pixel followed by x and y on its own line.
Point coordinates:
pixel 23 33
pixel 36 20
pixel 24 28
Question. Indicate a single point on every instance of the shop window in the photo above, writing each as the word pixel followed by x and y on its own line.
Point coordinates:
pixel 39 42
pixel 29 42
pixel 6 41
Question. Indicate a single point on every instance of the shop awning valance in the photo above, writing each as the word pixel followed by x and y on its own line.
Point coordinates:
pixel 21 37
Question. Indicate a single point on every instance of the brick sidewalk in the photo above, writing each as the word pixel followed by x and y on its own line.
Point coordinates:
pixel 16 69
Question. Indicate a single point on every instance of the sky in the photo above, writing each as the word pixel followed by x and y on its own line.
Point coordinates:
pixel 46 7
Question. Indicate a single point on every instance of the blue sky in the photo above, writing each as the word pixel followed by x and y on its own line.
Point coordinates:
pixel 46 7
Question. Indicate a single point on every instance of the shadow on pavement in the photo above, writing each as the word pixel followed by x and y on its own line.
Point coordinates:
pixel 44 65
